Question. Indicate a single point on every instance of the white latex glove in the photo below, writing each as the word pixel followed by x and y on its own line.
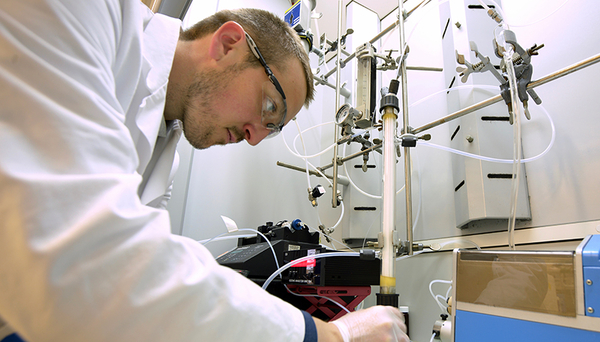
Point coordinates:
pixel 377 323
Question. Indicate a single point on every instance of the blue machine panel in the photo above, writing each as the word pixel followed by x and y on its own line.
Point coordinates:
pixel 477 327
pixel 590 258
pixel 292 15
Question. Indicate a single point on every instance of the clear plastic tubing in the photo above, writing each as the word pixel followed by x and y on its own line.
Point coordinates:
pixel 305 156
pixel 305 159
pixel 517 147
pixel 495 160
pixel 309 257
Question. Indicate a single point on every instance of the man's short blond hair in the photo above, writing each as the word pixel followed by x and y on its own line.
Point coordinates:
pixel 275 39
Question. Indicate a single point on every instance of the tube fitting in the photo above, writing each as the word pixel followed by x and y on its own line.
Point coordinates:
pixel 442 329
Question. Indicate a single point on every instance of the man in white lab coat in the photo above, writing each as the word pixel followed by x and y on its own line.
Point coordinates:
pixel 93 97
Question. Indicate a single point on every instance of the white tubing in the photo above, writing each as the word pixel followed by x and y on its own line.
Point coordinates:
pixel 306 130
pixel 356 186
pixel 430 9
pixel 368 231
pixel 305 159
pixel 308 180
pixel 352 183
pixel 420 195
pixel 442 307
pixel 497 160
pixel 499 11
pixel 514 96
pixel 340 219
pixel 468 87
pixel 459 241
pixel 305 156
pixel 539 20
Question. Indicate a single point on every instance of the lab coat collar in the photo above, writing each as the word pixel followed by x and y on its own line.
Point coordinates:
pixel 161 34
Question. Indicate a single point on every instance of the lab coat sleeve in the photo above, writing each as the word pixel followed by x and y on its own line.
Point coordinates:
pixel 81 259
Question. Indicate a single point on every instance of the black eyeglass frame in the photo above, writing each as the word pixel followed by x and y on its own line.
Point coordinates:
pixel 273 80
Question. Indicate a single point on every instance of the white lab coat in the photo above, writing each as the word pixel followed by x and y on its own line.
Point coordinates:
pixel 82 257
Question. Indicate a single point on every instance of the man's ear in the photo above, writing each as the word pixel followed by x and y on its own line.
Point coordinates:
pixel 226 40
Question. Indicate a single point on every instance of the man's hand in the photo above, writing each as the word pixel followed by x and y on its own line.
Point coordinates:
pixel 377 323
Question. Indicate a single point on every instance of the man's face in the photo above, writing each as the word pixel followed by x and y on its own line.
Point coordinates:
pixel 223 107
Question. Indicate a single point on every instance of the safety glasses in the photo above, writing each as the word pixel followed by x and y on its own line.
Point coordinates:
pixel 274 106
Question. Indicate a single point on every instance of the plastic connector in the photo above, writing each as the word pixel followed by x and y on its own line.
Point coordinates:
pixel 442 329
pixel 297 224
pixel 389 100
pixel 394 86
pixel 387 299
pixel 367 254
pixel 409 140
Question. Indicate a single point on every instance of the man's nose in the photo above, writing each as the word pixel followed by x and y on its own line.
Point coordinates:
pixel 255 134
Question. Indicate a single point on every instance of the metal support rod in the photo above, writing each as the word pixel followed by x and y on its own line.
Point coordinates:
pixel 556 75
pixel 384 32
pixel 334 200
pixel 330 43
pixel 405 125
pixel 343 91
pixel 422 68
pixel 352 156
pixel 341 179
pixel 373 40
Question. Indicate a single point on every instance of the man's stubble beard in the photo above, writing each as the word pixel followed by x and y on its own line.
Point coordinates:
pixel 199 116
